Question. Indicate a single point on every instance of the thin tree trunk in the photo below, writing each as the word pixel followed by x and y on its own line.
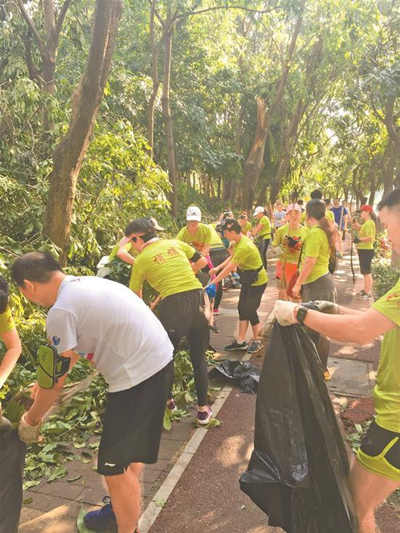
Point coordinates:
pixel 155 52
pixel 69 154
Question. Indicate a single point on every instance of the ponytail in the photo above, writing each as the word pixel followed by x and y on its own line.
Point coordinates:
pixel 328 227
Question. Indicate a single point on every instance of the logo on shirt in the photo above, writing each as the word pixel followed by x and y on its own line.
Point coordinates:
pixel 56 340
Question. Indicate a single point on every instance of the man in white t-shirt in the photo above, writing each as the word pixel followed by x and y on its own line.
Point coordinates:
pixel 106 323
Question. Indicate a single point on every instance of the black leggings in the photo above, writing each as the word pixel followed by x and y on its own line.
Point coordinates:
pixel 262 246
pixel 249 302
pixel 218 256
pixel 182 316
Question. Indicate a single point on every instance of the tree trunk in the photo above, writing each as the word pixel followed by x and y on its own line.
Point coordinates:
pixel 69 154
pixel 389 161
pixel 155 51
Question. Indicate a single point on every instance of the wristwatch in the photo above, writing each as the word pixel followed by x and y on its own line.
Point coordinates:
pixel 301 314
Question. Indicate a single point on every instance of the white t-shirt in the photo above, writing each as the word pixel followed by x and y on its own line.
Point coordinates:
pixel 108 324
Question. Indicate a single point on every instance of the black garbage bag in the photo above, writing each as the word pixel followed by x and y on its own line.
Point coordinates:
pixel 12 458
pixel 298 471
pixel 245 375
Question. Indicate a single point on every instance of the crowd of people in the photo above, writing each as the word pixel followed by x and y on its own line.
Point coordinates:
pixel 132 344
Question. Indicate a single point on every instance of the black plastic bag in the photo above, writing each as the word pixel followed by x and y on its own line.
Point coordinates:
pixel 245 375
pixel 12 458
pixel 298 471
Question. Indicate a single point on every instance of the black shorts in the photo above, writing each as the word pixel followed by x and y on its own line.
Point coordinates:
pixel 365 257
pixel 132 424
pixel 249 302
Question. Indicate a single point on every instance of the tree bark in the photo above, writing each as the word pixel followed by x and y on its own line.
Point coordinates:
pixel 167 112
pixel 69 154
pixel 155 52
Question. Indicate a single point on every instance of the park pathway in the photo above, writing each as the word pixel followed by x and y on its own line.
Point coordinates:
pixel 194 486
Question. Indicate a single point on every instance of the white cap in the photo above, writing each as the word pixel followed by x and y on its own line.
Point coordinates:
pixel 259 209
pixel 193 213
pixel 156 224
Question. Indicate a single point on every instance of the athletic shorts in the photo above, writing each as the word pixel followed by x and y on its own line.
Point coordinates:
pixel 365 257
pixel 132 424
pixel 380 452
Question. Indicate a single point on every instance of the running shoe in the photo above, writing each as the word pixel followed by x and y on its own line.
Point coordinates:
pixel 216 311
pixel 171 405
pixel 361 293
pixel 367 296
pixel 235 345
pixel 203 417
pixel 102 519
pixel 254 346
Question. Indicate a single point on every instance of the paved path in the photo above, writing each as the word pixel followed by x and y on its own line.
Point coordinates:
pixel 207 496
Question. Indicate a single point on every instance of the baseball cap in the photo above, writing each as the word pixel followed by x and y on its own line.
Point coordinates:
pixel 156 224
pixel 193 213
pixel 140 225
pixel 293 207
pixel 259 209
pixel 366 208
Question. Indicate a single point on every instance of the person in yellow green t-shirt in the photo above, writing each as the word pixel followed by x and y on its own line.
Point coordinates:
pixel 8 335
pixel 195 233
pixel 365 240
pixel 262 232
pixel 315 282
pixel 289 238
pixel 245 224
pixel 253 279
pixel 169 266
pixel 375 473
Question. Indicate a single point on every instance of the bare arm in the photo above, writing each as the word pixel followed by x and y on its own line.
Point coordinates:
pixel 45 398
pixel 13 346
pixel 256 229
pixel 219 267
pixel 199 264
pixel 361 328
pixel 122 253
pixel 308 265
pixel 228 268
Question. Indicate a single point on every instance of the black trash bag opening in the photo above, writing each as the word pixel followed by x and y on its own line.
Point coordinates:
pixel 243 374
pixel 298 471
pixel 12 459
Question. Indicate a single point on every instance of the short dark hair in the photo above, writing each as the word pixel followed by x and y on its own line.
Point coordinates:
pixel 300 201
pixel 316 209
pixel 34 266
pixel 3 294
pixel 231 224
pixel 390 200
pixel 141 225
pixel 316 194
pixel 327 201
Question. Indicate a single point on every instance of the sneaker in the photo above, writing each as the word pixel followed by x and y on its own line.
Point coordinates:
pixel 203 417
pixel 366 295
pixel 216 311
pixel 235 345
pixel 361 293
pixel 327 375
pixel 254 346
pixel 102 519
pixel 171 405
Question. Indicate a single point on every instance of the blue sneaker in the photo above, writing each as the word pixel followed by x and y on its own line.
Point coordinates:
pixel 102 519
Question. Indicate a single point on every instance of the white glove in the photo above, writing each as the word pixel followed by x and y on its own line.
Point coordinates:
pixel 284 312
pixel 28 433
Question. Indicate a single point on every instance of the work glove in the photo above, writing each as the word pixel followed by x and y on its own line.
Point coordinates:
pixel 323 306
pixel 28 433
pixel 284 312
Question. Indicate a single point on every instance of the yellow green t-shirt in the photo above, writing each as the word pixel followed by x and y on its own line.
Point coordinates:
pixel 247 257
pixel 265 231
pixel 164 264
pixel 387 388
pixel 368 229
pixel 216 241
pixel 246 228
pixel 330 216
pixel 200 238
pixel 316 244
pixel 289 255
pixel 6 321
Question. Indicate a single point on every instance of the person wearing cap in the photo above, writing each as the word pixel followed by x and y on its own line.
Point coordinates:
pixel 290 238
pixel 124 249
pixel 104 322
pixel 262 232
pixel 365 240
pixel 253 279
pixel 375 472
pixel 169 266
pixel 195 233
